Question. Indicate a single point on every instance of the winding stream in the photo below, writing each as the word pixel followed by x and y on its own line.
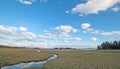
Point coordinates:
pixel 30 64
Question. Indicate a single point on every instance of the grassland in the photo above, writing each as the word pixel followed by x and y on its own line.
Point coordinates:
pixel 72 59
pixel 9 56
pixel 68 59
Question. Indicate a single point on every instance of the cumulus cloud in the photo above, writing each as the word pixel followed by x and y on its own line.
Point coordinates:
pixel 86 27
pixel 28 36
pixel 48 35
pixel 94 39
pixel 116 9
pixel 27 2
pixel 65 30
pixel 21 37
pixel 94 6
pixel 13 33
pixel 23 29
pixel 7 30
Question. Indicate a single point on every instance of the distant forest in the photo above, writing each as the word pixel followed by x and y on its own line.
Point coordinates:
pixel 6 46
pixel 109 45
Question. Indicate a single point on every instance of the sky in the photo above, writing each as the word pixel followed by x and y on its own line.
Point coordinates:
pixel 59 23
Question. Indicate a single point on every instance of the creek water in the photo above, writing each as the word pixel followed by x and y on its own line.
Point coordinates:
pixel 30 64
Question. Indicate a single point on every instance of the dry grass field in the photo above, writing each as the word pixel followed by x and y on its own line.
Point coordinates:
pixel 68 59
pixel 98 59
pixel 9 56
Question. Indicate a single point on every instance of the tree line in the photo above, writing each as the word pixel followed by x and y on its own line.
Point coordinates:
pixel 109 45
pixel 6 46
pixel 64 48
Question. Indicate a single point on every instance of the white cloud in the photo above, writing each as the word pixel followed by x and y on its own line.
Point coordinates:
pixel 77 38
pixel 28 36
pixel 66 28
pixel 106 33
pixel 79 46
pixel 72 39
pixel 94 39
pixel 28 45
pixel 48 36
pixel 45 37
pixel 27 2
pixel 94 6
pixel 8 30
pixel 23 29
pixel 2 36
pixel 86 27
pixel 21 37
pixel 63 34
pixel 116 9
pixel 13 28
pixel 13 33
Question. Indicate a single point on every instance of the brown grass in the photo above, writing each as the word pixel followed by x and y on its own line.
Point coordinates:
pixel 109 59
pixel 11 56
pixel 68 59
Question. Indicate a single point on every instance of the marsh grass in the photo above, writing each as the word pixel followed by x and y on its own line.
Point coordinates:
pixel 12 56
pixel 67 59
pixel 101 59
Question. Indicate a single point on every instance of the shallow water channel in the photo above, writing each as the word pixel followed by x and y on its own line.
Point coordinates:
pixel 30 64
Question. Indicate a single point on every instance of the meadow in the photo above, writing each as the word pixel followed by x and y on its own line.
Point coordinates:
pixel 68 59
pixel 10 56
pixel 76 59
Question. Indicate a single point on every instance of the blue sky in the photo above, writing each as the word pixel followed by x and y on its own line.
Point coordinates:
pixel 59 23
